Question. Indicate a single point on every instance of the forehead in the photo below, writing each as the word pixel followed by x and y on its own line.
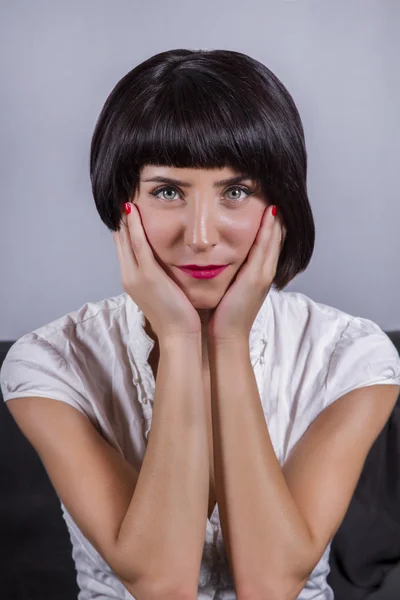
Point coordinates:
pixel 191 175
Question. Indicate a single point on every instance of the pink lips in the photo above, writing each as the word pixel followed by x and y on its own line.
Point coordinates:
pixel 207 273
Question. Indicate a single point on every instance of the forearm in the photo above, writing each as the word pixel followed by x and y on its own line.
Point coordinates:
pixel 266 537
pixel 164 527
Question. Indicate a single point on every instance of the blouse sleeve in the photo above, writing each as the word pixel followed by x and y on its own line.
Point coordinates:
pixel 364 355
pixel 33 367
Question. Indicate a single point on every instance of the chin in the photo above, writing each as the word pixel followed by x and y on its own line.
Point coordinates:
pixel 204 301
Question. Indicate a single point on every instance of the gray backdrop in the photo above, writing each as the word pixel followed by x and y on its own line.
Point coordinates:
pixel 58 62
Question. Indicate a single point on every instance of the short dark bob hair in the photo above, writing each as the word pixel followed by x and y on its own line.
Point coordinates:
pixel 206 109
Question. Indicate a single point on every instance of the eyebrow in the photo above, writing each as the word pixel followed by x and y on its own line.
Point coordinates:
pixel 171 181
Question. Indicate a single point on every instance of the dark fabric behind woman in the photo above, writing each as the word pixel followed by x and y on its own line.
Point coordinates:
pixel 367 545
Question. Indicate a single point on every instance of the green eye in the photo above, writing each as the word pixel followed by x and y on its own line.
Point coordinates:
pixel 159 190
pixel 242 188
pixel 156 193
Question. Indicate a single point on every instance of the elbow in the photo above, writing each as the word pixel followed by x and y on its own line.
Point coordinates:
pixel 283 589
pixel 145 589
pixel 283 584
pixel 294 589
pixel 279 592
pixel 143 585
pixel 146 582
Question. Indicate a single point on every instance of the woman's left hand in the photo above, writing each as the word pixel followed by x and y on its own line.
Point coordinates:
pixel 235 314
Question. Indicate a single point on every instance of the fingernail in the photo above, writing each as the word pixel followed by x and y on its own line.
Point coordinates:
pixel 127 208
pixel 274 211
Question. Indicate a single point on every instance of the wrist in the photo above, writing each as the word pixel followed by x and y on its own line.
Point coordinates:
pixel 180 340
pixel 216 342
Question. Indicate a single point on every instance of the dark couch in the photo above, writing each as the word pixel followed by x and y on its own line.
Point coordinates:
pixel 36 550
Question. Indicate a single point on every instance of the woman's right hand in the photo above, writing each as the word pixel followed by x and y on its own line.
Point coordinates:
pixel 164 304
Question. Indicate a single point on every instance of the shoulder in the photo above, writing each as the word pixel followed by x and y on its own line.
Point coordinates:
pixel 85 322
pixel 303 332
pixel 309 320
pixel 86 328
pixel 70 357
pixel 318 354
pixel 300 313
pixel 363 355
pixel 345 341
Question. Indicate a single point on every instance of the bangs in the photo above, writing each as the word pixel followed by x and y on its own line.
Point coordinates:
pixel 192 124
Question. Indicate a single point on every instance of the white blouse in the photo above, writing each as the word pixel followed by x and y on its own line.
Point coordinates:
pixel 305 355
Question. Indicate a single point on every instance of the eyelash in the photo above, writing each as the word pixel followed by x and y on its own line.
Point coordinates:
pixel 243 188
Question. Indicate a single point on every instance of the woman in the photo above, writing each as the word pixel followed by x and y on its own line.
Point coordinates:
pixel 262 405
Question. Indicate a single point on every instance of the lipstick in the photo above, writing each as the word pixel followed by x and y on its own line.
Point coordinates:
pixel 203 273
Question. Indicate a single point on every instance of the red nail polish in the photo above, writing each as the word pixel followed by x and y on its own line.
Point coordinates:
pixel 274 211
pixel 127 208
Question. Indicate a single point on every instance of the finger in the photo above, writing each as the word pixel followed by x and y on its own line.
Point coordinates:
pixel 278 235
pixel 118 245
pixel 117 242
pixel 268 247
pixel 282 236
pixel 125 253
pixel 278 227
pixel 259 252
pixel 266 234
pixel 137 237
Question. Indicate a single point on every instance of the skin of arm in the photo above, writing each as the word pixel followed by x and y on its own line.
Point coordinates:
pixel 166 520
pixel 277 521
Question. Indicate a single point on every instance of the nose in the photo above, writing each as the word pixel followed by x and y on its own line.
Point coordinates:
pixel 201 227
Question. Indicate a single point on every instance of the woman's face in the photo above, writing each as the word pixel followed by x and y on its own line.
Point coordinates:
pixel 199 221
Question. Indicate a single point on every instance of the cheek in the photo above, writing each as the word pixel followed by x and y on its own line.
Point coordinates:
pixel 157 237
pixel 243 231
pixel 155 231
